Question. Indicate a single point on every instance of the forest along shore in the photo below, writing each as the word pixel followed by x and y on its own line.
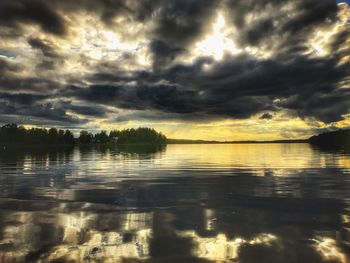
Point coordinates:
pixel 12 134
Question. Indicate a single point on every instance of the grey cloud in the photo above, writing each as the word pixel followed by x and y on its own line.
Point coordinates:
pixel 45 48
pixel 7 67
pixel 14 83
pixel 22 98
pixel 237 87
pixel 87 111
pixel 15 12
pixel 34 108
pixel 327 107
pixel 48 15
pixel 164 54
pixel 287 22
pixel 179 24
pixel 241 86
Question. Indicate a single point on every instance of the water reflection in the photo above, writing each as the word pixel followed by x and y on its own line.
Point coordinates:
pixel 113 204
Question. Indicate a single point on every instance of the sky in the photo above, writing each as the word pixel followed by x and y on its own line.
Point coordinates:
pixel 195 69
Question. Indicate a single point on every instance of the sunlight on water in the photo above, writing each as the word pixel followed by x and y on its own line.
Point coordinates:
pixel 255 156
pixel 180 203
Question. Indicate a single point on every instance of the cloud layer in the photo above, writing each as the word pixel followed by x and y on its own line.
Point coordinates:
pixel 70 63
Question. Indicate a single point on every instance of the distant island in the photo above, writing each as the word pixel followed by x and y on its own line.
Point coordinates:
pixel 185 141
pixel 329 140
pixel 332 140
pixel 12 134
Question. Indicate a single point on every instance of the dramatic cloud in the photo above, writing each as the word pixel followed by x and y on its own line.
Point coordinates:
pixel 93 62
pixel 237 87
pixel 15 13
pixel 46 49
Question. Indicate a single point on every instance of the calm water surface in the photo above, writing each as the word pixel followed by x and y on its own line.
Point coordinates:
pixel 183 203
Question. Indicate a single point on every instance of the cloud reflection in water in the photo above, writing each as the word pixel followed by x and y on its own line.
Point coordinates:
pixel 89 205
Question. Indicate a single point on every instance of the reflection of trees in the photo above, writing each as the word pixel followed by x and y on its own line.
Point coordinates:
pixel 18 157
pixel 29 172
pixel 146 151
pixel 24 169
pixel 142 149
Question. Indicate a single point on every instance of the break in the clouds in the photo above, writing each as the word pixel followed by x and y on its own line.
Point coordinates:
pixel 243 64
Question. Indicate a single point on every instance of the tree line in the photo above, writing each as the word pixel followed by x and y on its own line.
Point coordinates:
pixel 127 136
pixel 339 139
pixel 14 134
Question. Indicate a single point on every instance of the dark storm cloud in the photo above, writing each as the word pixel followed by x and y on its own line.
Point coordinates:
pixel 290 79
pixel 87 111
pixel 340 44
pixel 179 24
pixel 327 107
pixel 10 82
pixel 237 87
pixel 171 99
pixel 287 22
pixel 157 116
pixel 34 107
pixel 45 48
pixel 310 13
pixel 7 67
pixel 163 54
pixel 49 15
pixel 22 98
pixel 50 59
pixel 107 10
pixel 311 82
pixel 160 97
pixel 13 13
pixel 248 77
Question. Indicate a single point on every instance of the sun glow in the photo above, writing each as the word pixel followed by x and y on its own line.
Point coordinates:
pixel 218 42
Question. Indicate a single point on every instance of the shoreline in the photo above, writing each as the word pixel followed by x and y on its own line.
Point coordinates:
pixel 174 141
pixel 4 146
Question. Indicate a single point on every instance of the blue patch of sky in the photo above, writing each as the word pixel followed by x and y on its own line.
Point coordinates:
pixel 7 54
pixel 343 1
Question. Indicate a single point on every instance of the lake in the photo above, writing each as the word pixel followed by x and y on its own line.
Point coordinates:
pixel 179 203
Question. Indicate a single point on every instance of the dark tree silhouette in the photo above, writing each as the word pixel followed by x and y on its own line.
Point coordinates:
pixel 332 140
pixel 53 136
pixel 128 136
pixel 85 137
pixel 140 135
pixel 68 137
pixel 13 134
pixel 101 137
